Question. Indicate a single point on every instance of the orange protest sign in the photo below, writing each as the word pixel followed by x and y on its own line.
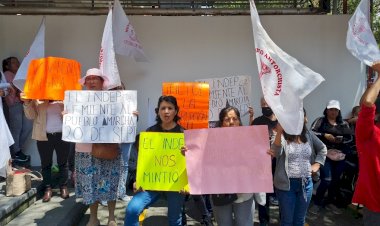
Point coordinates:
pixel 193 101
pixel 48 78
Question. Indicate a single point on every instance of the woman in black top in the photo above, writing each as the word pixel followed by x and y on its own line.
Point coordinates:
pixel 336 135
pixel 167 118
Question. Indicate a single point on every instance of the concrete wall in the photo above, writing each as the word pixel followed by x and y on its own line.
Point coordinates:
pixel 189 48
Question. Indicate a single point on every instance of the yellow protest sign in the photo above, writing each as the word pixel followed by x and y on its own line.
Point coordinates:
pixel 160 164
pixel 193 101
pixel 48 78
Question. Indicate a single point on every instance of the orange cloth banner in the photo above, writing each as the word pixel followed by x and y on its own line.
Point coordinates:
pixel 48 78
pixel 193 101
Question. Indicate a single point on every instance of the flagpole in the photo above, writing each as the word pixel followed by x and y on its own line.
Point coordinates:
pixel 370 75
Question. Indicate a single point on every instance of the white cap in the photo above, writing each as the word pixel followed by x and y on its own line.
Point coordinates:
pixel 333 104
pixel 96 72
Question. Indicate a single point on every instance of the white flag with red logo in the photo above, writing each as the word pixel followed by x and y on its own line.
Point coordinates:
pixel 126 42
pixel 36 51
pixel 107 59
pixel 285 81
pixel 360 40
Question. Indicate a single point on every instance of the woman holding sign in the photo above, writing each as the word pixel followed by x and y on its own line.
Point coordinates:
pixel 232 209
pixel 47 131
pixel 167 118
pixel 97 180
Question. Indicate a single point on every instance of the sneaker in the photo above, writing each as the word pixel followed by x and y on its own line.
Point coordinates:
pixel 126 198
pixel 273 201
pixel 21 157
pixel 315 209
pixel 334 209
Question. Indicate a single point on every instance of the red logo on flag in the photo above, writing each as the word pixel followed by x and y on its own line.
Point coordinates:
pixel 264 69
pixel 358 29
pixel 101 56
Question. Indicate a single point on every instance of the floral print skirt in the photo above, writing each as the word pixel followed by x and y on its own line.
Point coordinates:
pixel 98 179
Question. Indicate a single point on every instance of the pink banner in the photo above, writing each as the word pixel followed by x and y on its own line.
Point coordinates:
pixel 228 160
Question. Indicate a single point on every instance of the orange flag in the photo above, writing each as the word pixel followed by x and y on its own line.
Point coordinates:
pixel 48 78
pixel 193 101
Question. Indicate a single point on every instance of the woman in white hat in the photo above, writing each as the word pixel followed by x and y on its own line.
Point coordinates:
pixel 335 133
pixel 97 180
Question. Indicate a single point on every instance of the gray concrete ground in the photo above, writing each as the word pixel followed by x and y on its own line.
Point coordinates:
pixel 71 211
pixel 156 216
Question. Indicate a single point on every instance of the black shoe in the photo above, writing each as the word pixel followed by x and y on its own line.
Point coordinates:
pixel 207 222
pixel 21 157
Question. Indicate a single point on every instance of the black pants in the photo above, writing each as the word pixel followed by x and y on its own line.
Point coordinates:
pixel 202 202
pixel 71 158
pixel 46 149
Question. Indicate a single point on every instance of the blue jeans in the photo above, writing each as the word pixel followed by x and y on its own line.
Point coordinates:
pixel 125 153
pixel 20 127
pixel 330 177
pixel 294 203
pixel 144 199
pixel 242 214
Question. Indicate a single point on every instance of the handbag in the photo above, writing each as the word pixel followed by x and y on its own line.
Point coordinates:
pixel 107 151
pixel 335 155
pixel 20 180
pixel 223 199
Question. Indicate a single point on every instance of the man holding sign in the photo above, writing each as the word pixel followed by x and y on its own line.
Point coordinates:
pixel 167 122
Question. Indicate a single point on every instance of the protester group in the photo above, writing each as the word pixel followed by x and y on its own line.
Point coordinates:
pixel 336 157
pixel 324 154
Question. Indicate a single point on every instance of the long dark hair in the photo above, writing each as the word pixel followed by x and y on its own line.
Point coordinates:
pixel 292 138
pixel 339 119
pixel 225 111
pixel 7 63
pixel 171 100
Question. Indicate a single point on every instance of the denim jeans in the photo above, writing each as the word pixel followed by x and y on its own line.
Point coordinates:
pixel 294 203
pixel 330 177
pixel 207 200
pixel 20 127
pixel 125 153
pixel 242 213
pixel 144 199
pixel 200 203
pixel 264 211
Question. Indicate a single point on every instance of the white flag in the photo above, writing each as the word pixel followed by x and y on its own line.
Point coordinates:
pixel 107 60
pixel 126 42
pixel 36 51
pixel 285 81
pixel 360 39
